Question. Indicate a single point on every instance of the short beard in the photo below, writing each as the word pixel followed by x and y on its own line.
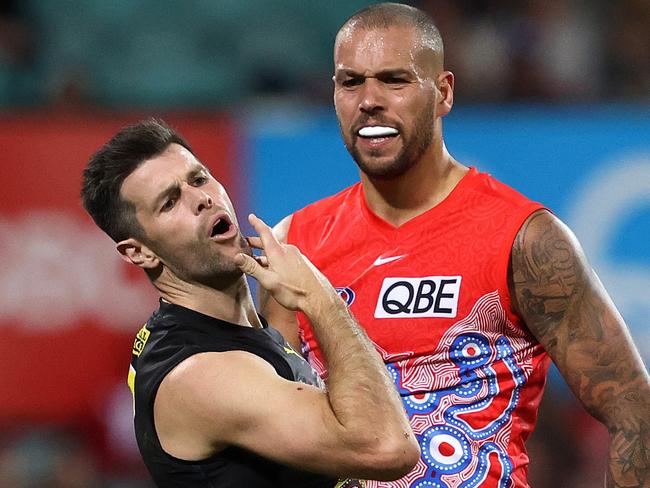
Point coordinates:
pixel 209 269
pixel 408 157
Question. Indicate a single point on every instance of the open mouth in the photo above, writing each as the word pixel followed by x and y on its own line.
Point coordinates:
pixel 377 132
pixel 222 228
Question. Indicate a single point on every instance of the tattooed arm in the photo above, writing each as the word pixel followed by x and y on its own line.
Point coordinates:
pixel 566 307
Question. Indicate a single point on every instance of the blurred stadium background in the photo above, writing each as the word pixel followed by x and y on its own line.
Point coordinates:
pixel 552 97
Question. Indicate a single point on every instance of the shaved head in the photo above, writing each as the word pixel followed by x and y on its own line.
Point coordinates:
pixel 387 15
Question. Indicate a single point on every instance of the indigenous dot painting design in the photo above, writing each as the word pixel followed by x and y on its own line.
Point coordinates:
pixel 460 402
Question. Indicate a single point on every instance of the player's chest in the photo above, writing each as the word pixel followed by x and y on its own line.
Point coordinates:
pixel 410 292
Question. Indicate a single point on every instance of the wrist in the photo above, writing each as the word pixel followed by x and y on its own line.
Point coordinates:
pixel 319 306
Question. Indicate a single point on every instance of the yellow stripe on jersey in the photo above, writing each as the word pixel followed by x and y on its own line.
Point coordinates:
pixel 131 382
pixel 140 340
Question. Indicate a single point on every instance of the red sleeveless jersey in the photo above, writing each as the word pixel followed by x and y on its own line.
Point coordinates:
pixel 432 295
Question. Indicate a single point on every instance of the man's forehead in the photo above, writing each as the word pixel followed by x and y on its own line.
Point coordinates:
pixel 157 173
pixel 175 160
pixel 176 153
pixel 388 48
pixel 393 36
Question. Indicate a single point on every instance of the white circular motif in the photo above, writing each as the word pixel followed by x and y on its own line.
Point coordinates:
pixel 420 398
pixel 438 446
pixel 471 350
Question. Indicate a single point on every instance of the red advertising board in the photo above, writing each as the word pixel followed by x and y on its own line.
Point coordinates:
pixel 69 307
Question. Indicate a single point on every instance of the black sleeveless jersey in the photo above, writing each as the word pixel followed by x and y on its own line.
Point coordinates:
pixel 174 333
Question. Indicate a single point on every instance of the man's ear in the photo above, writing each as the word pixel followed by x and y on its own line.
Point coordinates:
pixel 445 85
pixel 133 251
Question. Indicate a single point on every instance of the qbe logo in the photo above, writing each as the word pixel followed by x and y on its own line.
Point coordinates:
pixel 428 296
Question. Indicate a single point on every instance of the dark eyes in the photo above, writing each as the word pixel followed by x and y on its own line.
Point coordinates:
pixel 168 205
pixel 389 80
pixel 394 80
pixel 200 180
pixel 352 82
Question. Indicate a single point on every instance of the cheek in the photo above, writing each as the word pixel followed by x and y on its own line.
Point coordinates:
pixel 415 108
pixel 345 106
pixel 175 229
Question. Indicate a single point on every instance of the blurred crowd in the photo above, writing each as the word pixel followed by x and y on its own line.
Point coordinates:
pixel 547 51
pixel 208 55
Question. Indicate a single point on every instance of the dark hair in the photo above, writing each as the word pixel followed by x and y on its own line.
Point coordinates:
pixel 108 168
pixel 385 15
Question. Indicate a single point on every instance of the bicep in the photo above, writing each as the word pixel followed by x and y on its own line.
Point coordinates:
pixel 236 398
pixel 566 307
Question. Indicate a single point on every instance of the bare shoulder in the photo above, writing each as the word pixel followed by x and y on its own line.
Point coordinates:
pixel 198 391
pixel 547 269
pixel 205 376
pixel 281 229
pixel 217 366
pixel 210 385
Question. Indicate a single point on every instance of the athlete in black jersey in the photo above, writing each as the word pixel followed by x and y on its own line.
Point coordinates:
pixel 174 333
pixel 220 399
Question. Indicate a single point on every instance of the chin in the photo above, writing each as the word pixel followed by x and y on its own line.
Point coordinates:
pixel 223 278
pixel 386 171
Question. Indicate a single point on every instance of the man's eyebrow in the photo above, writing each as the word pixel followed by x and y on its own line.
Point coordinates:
pixel 175 188
pixel 196 169
pixel 380 74
pixel 345 71
pixel 170 190
pixel 394 72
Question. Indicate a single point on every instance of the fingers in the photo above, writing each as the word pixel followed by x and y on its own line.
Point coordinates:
pixel 269 243
pixel 254 242
pixel 251 267
pixel 262 261
pixel 246 264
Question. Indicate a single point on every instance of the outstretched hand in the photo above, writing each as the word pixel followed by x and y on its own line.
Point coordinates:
pixel 287 275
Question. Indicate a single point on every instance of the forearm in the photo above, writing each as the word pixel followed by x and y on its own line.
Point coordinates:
pixel 606 372
pixel 629 455
pixel 360 388
pixel 615 389
pixel 620 398
pixel 361 414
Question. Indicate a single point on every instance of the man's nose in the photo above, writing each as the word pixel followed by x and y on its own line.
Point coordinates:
pixel 202 201
pixel 372 96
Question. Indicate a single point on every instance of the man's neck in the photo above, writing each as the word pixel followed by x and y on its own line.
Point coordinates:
pixel 421 188
pixel 233 303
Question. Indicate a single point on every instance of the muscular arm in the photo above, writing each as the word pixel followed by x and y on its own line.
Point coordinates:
pixel 357 428
pixel 214 400
pixel 566 307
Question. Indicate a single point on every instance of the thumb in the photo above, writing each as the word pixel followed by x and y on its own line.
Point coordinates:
pixel 247 264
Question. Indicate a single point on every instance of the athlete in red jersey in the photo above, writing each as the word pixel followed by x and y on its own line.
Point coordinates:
pixel 433 296
pixel 464 285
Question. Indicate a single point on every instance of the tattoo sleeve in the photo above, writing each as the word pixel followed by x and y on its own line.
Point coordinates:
pixel 565 306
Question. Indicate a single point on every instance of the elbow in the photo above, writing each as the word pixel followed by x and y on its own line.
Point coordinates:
pixel 402 458
pixel 392 459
